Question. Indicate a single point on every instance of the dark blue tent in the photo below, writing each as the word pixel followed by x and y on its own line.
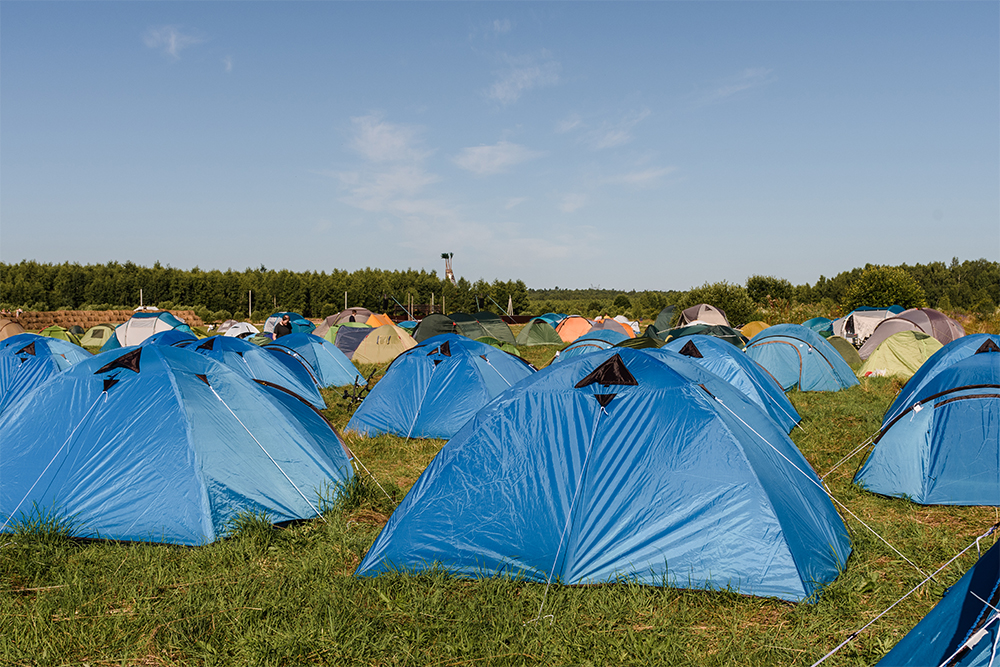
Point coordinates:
pixel 322 359
pixel 348 339
pixel 162 444
pixel 432 389
pixel 795 355
pixel 728 362
pixel 256 363
pixel 621 465
pixel 943 446
pixel 28 360
pixel 963 629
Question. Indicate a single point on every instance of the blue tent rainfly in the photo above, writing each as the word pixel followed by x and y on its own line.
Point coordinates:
pixel 432 389
pixel 621 465
pixel 161 444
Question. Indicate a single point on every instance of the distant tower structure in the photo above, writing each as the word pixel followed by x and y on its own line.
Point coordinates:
pixel 448 273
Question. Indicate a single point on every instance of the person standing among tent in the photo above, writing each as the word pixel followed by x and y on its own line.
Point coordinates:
pixel 284 327
pixel 353 317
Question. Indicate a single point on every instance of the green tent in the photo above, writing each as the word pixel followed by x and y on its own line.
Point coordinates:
pixel 499 344
pixel 538 332
pixel 641 342
pixel 495 326
pixel 56 331
pixel 433 325
pixel 727 334
pixel 664 319
pixel 900 355
pixel 846 350
pixel 97 335
pixel 468 326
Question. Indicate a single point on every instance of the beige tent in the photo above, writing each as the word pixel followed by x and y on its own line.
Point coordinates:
pixel 382 345
pixel 97 335
pixel 703 313
pixel 9 328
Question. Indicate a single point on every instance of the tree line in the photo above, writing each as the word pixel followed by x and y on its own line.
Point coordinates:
pixel 971 285
pixel 218 294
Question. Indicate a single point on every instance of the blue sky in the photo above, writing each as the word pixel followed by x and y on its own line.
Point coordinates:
pixel 615 145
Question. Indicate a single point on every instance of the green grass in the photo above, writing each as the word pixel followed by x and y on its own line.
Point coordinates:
pixel 286 595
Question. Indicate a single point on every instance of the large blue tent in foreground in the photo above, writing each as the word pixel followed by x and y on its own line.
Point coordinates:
pixel 621 465
pixel 161 444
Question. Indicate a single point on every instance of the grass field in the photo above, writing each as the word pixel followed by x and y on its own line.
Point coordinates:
pixel 286 596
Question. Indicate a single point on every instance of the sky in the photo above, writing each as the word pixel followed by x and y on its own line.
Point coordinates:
pixel 617 145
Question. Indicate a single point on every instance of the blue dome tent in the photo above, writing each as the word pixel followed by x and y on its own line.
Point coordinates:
pixel 174 337
pixel 963 629
pixel 728 362
pixel 432 389
pixel 28 360
pixel 161 444
pixel 327 364
pixel 942 447
pixel 256 363
pixel 586 345
pixel 621 465
pixel 795 355
pixel 950 354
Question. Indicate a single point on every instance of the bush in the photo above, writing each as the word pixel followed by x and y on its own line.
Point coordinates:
pixel 622 303
pixel 762 288
pixel 884 286
pixel 733 299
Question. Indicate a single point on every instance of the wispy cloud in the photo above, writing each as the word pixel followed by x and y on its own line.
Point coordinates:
pixel 617 133
pixel 522 75
pixel 753 77
pixel 170 40
pixel 570 123
pixel 379 141
pixel 392 176
pixel 514 201
pixel 641 179
pixel 573 202
pixel 501 26
pixel 486 160
pixel 227 64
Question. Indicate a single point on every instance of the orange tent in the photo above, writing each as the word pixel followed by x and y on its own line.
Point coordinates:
pixel 573 327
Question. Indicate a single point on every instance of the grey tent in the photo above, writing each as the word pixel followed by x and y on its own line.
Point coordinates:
pixel 703 313
pixel 925 320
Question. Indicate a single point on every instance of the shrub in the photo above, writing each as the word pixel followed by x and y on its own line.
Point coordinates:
pixel 761 288
pixel 884 286
pixel 622 303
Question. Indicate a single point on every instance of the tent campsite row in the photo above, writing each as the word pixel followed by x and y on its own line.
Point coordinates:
pixel 626 456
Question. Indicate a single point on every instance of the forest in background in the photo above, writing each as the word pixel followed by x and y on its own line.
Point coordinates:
pixel 971 286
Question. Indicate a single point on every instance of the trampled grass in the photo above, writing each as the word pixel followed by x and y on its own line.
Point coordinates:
pixel 286 596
